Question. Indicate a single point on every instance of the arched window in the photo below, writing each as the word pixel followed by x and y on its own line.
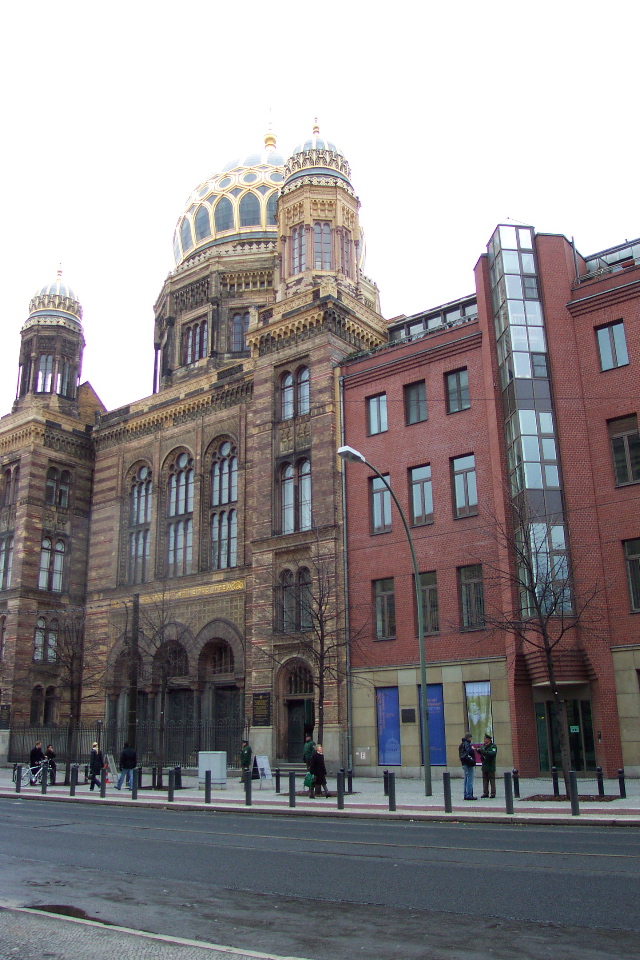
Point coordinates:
pixel 171 661
pixel 287 482
pixel 65 386
pixel 322 245
pixel 272 206
pixel 304 599
pixel 287 611
pixel 6 561
pixel 249 211
pixel 224 523
pixel 344 238
pixel 286 396
pixel 50 705
pixel 239 327
pixel 221 659
pixel 195 341
pixel 224 539
pixel 223 215
pixel 10 481
pixel 45 640
pixel 302 378
pixel 298 250
pixel 50 576
pixel 304 495
pixel 300 680
pixel 140 501
pixel 37 706
pixel 3 636
pixel 180 510
pixel 57 487
pixel 64 487
pixel 203 224
pixel 224 475
pixel 185 236
pixel 44 383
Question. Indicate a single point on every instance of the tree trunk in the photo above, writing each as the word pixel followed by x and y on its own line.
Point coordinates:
pixel 561 717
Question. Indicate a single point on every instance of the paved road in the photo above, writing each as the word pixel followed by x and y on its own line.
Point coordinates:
pixel 328 888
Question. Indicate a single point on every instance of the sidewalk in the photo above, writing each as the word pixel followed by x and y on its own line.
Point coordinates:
pixel 367 800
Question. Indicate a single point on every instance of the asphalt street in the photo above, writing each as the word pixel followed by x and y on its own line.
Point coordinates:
pixel 329 888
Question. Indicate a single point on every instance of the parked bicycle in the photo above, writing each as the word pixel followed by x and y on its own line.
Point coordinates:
pixel 32 776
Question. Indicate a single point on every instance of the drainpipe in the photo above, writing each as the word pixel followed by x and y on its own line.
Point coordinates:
pixel 345 575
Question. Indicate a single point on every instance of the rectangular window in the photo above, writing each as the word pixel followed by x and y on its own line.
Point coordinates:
pixel 429 594
pixel 415 402
pixel 298 250
pixel 465 493
pixel 625 447
pixel 322 245
pixel 380 505
pixel 421 494
pixel 632 556
pixel 612 345
pixel 471 596
pixel 457 390
pixel 377 413
pixel 384 609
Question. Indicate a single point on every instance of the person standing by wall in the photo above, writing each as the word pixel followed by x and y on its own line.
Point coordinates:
pixel 128 760
pixel 488 752
pixel 246 754
pixel 468 761
pixel 318 769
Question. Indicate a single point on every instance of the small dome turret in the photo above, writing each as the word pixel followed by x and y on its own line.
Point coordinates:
pixel 317 160
pixel 55 304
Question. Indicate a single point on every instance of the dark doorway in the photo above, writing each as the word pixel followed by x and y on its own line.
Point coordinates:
pixel 296 730
pixel 581 742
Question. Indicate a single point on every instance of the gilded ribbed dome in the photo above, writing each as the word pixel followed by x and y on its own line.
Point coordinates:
pixel 55 304
pixel 317 160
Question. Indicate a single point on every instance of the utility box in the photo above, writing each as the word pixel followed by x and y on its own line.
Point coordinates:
pixel 216 761
pixel 362 755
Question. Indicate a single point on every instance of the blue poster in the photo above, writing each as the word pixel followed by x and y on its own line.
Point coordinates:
pixel 435 712
pixel 388 710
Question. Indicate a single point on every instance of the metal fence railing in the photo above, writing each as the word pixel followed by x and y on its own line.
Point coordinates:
pixel 177 744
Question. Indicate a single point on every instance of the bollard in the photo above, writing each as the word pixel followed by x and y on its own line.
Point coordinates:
pixel 103 784
pixel 600 780
pixel 19 778
pixel 573 793
pixel 277 774
pixel 154 777
pixel 340 790
pixel 516 784
pixel 446 784
pixel 43 781
pixel 159 783
pixel 247 790
pixel 392 791
pixel 86 773
pixel 178 781
pixel 135 782
pixel 349 782
pixel 385 782
pixel 140 778
pixel 292 788
pixel 621 784
pixel 554 780
pixel 207 786
pixel 74 780
pixel 172 786
pixel 508 792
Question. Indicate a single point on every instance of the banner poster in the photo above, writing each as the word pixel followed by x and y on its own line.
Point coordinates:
pixel 478 696
pixel 388 710
pixel 435 716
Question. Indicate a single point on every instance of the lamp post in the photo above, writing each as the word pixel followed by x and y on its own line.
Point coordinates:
pixel 354 456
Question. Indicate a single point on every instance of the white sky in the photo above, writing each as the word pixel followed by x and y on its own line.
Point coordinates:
pixel 453 116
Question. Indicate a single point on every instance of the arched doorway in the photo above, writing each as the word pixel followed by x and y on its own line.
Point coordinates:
pixel 299 716
pixel 220 699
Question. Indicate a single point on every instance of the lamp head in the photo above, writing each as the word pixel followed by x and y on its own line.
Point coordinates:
pixel 351 455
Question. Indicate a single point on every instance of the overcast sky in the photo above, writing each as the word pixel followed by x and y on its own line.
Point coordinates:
pixel 454 117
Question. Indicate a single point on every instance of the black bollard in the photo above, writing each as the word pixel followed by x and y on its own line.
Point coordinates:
pixel 154 777
pixel 340 789
pixel 277 773
pixel 292 788
pixel 103 784
pixel 446 785
pixel 516 784
pixel 247 790
pixel 621 784
pixel 207 786
pixel 508 793
pixel 45 777
pixel 600 780
pixel 385 782
pixel 159 782
pixel 554 780
pixel 172 786
pixel 392 791
pixel 349 782
pixel 19 778
pixel 74 780
pixel 135 782
pixel 86 773
pixel 178 780
pixel 573 793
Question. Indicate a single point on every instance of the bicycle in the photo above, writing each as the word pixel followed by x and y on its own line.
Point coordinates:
pixel 32 776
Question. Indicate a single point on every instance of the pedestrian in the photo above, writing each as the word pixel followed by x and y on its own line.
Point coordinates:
pixel 319 772
pixel 488 752
pixel 128 760
pixel 51 757
pixel 245 760
pixel 96 766
pixel 308 749
pixel 468 761
pixel 35 759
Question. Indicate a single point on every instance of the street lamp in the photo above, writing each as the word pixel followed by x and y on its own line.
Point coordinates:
pixel 354 456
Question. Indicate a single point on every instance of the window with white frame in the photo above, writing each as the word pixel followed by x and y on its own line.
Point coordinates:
pixel 295 496
pixel 52 555
pixel 376 407
pixel 180 486
pixel 612 345
pixel 471 596
pixel 384 609
pixel 140 503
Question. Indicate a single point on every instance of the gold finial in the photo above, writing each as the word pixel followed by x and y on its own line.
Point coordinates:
pixel 59 277
pixel 316 128
pixel 270 139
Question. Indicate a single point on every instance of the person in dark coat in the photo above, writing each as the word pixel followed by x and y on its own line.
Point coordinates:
pixel 246 754
pixel 308 749
pixel 318 769
pixel 35 759
pixel 468 761
pixel 51 757
pixel 128 760
pixel 488 752
pixel 96 766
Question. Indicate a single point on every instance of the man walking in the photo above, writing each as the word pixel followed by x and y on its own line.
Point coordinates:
pixel 308 750
pixel 128 760
pixel 488 752
pixel 468 761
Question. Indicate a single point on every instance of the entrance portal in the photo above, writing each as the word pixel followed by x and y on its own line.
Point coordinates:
pixel 581 743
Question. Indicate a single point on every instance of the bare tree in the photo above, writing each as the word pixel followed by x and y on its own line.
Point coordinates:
pixel 544 612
